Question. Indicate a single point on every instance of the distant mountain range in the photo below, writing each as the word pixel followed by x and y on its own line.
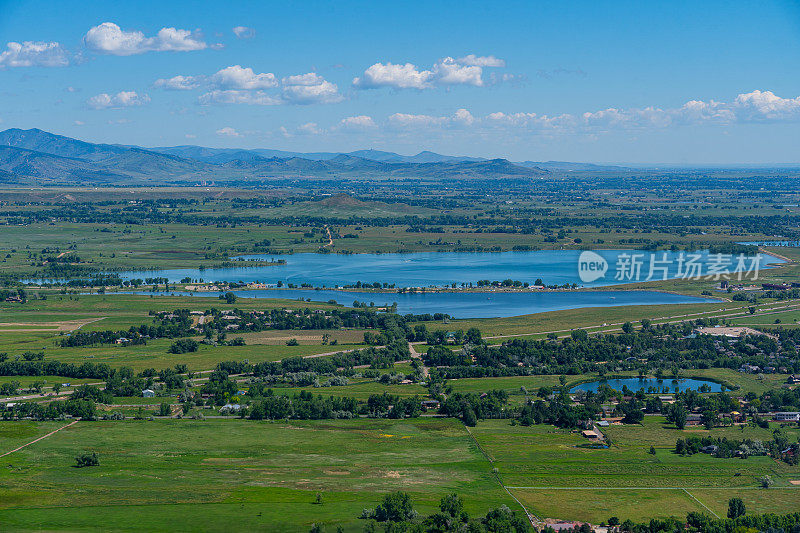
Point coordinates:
pixel 39 157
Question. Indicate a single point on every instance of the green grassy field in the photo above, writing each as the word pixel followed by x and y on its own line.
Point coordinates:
pixel 555 478
pixel 222 475
pixel 243 474
pixel 590 318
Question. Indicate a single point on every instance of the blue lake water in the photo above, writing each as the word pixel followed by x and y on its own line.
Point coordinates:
pixel 471 304
pixel 438 269
pixel 636 384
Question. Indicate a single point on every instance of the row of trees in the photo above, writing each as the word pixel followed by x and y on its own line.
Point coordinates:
pixel 306 406
pixel 75 407
pixel 779 447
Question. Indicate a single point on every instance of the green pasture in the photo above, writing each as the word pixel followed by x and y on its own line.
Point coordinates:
pixel 229 474
pixel 556 478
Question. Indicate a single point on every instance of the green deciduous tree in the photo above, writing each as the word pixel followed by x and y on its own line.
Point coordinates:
pixel 395 507
pixel 735 508
pixel 87 459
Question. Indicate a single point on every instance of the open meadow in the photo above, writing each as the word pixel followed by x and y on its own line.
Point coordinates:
pixel 230 471
pixel 555 477
pixel 215 473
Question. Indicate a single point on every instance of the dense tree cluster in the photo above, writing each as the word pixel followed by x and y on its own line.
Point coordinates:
pixel 659 348
pixel 172 325
pixel 444 356
pixel 396 511
pixel 123 382
pixel 304 406
pixel 556 412
pixel 52 367
pixel 183 346
pixel 778 447
pixel 377 357
pixel 779 400
pixel 470 407
pixel 84 409
pixel 19 292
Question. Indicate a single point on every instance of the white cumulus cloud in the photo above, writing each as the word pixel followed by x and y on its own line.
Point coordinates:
pixel 244 78
pixel 178 83
pixel 108 38
pixel 357 123
pixel 466 70
pixel 310 88
pixel 463 116
pixel 765 106
pixel 450 72
pixel 227 131
pixel 33 54
pixel 119 100
pixel 240 85
pixel 405 76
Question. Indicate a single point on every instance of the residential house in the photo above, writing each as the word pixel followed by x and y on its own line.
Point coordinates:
pixel 693 419
pixel 430 404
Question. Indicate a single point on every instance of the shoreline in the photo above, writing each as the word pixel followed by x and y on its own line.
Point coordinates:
pixel 280 261
pixel 776 254
pixel 432 291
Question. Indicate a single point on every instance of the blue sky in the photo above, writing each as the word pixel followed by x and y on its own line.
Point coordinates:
pixel 639 82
